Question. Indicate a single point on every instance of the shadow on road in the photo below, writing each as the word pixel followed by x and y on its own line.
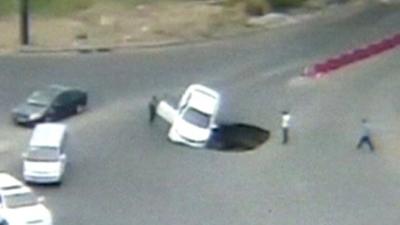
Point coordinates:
pixel 237 137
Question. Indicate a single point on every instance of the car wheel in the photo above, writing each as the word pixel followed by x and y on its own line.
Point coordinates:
pixel 80 108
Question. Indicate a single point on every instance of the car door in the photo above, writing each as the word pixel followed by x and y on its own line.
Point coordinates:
pixel 70 101
pixel 77 98
pixel 62 155
pixel 60 106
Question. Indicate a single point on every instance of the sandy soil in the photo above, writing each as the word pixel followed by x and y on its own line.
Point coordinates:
pixel 114 24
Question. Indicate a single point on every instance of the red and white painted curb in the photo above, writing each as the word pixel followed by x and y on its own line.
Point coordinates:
pixel 323 68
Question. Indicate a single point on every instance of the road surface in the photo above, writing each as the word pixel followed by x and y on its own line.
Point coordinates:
pixel 124 171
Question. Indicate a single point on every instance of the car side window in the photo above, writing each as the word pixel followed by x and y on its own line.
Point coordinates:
pixel 65 98
pixel 74 95
pixel 60 99
pixel 186 101
pixel 71 97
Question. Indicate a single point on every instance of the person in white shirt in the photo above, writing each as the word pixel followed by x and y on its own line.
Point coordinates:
pixel 285 126
pixel 365 136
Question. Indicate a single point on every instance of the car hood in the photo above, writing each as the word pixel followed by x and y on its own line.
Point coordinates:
pixel 35 214
pixel 191 132
pixel 27 109
pixel 42 166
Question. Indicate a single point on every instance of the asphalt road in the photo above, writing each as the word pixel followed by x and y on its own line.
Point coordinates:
pixel 124 171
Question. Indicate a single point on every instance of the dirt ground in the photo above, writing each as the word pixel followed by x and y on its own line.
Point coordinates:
pixel 107 24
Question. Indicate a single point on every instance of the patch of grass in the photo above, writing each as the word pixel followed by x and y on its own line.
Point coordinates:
pixel 260 7
pixel 251 7
pixel 59 7
pixel 257 7
pixel 286 3
pixel 8 7
pixel 65 7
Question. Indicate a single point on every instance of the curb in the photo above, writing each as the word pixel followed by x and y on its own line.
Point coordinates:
pixel 318 70
pixel 96 48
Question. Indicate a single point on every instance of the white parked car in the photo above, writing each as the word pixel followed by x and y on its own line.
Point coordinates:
pixel 195 116
pixel 45 159
pixel 19 205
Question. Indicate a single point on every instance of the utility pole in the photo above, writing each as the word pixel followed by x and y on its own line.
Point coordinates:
pixel 24 22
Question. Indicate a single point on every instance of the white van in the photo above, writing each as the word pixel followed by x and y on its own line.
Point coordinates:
pixel 45 159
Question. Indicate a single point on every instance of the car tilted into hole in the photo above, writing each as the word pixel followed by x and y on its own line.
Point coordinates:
pixel 53 103
pixel 19 205
pixel 195 117
pixel 45 158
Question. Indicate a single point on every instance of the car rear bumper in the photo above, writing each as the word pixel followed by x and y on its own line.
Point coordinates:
pixel 35 178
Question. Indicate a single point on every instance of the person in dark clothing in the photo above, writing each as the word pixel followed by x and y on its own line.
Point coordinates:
pixel 153 108
pixel 365 136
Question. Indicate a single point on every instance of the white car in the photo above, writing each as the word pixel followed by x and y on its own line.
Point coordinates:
pixel 45 159
pixel 19 205
pixel 195 117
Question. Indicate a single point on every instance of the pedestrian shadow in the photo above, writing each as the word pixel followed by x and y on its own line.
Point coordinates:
pixel 237 137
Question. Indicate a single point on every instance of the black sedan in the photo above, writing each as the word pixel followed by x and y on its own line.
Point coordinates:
pixel 50 104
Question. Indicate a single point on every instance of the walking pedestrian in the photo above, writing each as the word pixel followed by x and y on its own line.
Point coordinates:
pixel 153 108
pixel 285 126
pixel 365 136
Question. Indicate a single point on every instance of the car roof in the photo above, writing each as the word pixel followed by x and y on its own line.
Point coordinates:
pixel 55 89
pixel 8 182
pixel 203 98
pixel 48 134
pixel 63 88
pixel 49 93
pixel 10 185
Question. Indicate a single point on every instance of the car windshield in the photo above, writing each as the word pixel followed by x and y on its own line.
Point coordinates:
pixel 43 154
pixel 36 105
pixel 43 97
pixel 20 200
pixel 197 117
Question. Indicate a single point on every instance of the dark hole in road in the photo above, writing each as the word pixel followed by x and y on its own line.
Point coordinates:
pixel 237 137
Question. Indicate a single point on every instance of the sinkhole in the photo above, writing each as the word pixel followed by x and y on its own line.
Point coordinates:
pixel 237 137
